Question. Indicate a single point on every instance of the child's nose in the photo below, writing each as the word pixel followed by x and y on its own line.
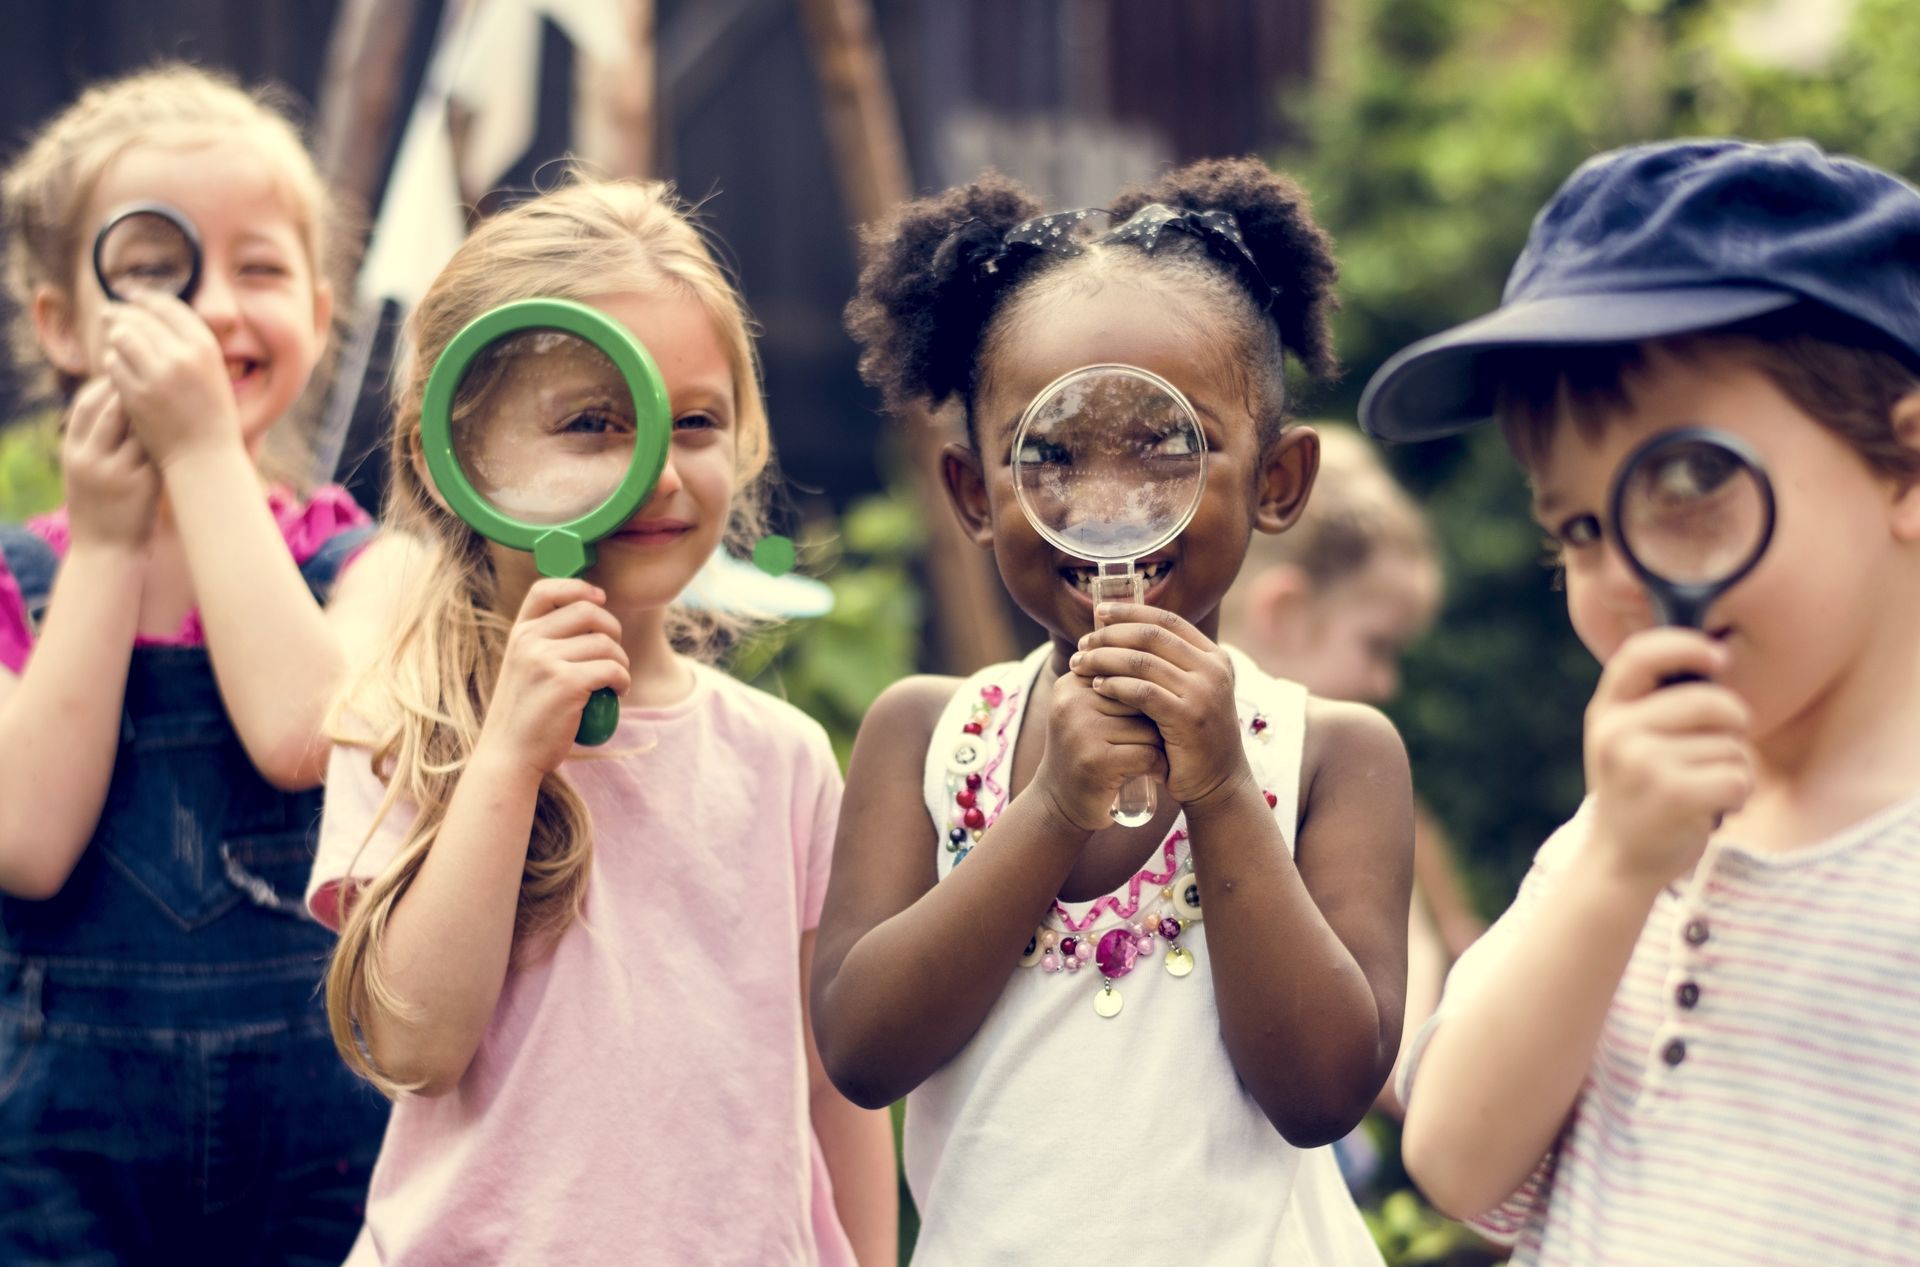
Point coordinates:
pixel 669 482
pixel 214 301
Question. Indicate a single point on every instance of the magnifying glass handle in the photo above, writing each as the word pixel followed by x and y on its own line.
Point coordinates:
pixel 599 718
pixel 1134 804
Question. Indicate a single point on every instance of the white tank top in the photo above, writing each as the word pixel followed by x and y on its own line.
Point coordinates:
pixel 1095 1115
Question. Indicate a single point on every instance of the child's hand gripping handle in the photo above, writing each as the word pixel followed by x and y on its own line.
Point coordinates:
pixel 1133 805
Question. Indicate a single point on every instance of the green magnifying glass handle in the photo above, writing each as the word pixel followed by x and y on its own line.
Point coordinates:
pixel 598 719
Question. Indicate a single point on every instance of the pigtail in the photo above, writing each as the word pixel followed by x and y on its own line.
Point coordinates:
pixel 933 273
pixel 1292 251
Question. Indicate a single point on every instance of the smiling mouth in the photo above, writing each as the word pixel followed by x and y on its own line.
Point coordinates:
pixel 1082 577
pixel 240 371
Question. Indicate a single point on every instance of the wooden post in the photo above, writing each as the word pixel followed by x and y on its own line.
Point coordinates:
pixel 359 100
pixel 614 103
pixel 870 160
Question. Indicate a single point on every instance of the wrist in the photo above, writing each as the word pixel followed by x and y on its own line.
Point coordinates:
pixel 190 455
pixel 1610 872
pixel 1055 822
pixel 88 548
pixel 1226 796
pixel 498 764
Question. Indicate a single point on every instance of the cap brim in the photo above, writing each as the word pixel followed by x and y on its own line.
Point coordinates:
pixel 1448 382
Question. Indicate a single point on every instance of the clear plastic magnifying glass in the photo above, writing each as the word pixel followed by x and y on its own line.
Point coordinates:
pixel 1109 462
pixel 1692 510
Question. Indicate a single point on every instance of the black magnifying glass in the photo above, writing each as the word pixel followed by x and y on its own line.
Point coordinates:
pixel 148 247
pixel 1692 510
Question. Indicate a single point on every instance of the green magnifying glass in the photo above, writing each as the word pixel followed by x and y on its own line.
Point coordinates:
pixel 545 426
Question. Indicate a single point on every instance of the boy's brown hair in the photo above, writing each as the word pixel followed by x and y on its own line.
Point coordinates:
pixel 1851 388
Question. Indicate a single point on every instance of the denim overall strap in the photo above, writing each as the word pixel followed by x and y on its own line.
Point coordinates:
pixel 198 864
pixel 169 1091
pixel 33 563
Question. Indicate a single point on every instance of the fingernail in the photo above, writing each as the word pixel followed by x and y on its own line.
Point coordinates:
pixel 1104 611
pixel 1084 640
pixel 1073 662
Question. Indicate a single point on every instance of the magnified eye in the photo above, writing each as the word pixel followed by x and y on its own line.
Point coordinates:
pixel 1693 474
pixel 1037 452
pixel 1174 443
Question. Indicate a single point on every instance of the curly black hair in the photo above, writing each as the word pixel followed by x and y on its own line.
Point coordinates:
pixel 924 309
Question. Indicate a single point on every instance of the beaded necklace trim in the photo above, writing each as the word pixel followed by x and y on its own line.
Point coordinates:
pixel 1172 894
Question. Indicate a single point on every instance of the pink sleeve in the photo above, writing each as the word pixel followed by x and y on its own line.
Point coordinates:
pixel 356 844
pixel 16 637
pixel 328 511
pixel 819 829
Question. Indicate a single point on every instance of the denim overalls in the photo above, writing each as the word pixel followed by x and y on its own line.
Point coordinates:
pixel 169 1093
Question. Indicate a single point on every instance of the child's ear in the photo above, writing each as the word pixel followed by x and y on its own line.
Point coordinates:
pixel 417 459
pixel 1287 470
pixel 1906 504
pixel 967 490
pixel 56 331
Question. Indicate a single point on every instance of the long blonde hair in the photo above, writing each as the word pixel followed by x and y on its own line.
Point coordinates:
pixel 425 700
pixel 45 192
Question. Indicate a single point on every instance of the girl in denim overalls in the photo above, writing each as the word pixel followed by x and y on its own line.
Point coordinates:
pixel 168 1092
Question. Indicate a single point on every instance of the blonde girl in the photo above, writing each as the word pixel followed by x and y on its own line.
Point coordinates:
pixel 166 665
pixel 584 977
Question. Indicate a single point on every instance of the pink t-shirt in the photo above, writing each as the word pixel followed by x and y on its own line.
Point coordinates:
pixel 306 526
pixel 640 1095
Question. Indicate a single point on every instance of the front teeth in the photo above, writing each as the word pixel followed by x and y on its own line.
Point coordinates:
pixel 1082 578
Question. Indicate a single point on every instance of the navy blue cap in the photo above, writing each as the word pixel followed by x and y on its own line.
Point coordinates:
pixel 1669 239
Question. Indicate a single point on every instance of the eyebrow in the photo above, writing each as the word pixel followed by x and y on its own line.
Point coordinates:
pixel 715 394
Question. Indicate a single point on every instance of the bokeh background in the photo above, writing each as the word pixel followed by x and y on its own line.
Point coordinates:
pixel 1428 132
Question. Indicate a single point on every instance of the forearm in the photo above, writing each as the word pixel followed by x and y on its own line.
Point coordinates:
pixel 448 941
pixel 60 723
pixel 277 661
pixel 1499 1076
pixel 914 988
pixel 1300 1020
pixel 858 1146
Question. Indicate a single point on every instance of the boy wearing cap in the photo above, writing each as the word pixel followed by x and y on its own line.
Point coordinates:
pixel 1695 1036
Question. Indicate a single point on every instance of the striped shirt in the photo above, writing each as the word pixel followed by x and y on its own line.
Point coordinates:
pixel 1754 1099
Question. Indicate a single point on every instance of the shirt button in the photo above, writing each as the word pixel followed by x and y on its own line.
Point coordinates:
pixel 1688 994
pixel 1676 1051
pixel 1697 932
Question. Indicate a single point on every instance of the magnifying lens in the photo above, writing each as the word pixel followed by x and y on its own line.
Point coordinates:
pixel 545 426
pixel 147 247
pixel 1693 512
pixel 1108 464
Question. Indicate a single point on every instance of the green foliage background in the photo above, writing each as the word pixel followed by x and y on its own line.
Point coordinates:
pixel 1437 130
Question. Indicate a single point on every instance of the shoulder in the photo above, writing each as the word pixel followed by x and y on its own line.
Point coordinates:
pixel 906 712
pixel 1355 737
